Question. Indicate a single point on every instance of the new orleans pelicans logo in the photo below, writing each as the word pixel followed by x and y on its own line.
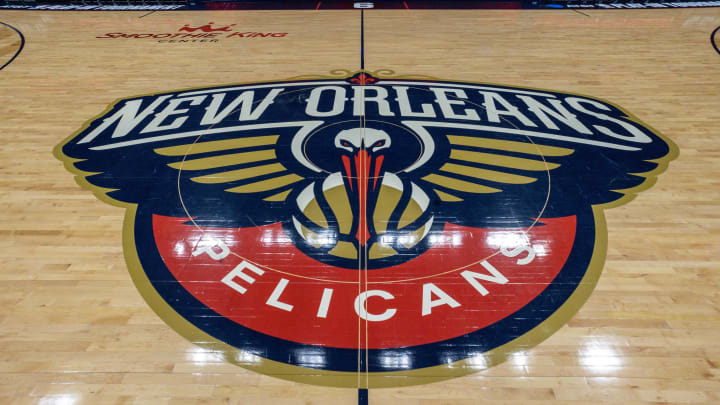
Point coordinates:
pixel 420 223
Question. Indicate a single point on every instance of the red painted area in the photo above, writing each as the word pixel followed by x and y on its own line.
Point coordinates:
pixel 272 250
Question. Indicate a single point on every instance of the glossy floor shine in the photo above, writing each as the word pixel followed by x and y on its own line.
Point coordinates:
pixel 282 207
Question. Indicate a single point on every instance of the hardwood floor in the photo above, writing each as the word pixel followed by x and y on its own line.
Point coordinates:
pixel 74 329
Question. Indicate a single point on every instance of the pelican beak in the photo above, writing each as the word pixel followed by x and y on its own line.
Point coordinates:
pixel 358 169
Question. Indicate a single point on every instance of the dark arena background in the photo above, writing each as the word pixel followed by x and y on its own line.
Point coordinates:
pixel 341 5
pixel 377 202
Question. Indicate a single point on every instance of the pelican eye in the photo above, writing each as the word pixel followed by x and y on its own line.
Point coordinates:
pixel 345 143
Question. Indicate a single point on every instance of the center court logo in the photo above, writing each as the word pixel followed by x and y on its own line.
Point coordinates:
pixel 421 223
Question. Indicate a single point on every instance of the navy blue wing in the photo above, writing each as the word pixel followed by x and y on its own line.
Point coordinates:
pixel 233 179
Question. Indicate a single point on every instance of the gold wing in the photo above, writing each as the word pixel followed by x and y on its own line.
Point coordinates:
pixel 526 163
pixel 216 162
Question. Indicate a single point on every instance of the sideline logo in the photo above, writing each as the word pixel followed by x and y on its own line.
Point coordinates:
pixel 206 28
pixel 189 34
pixel 420 222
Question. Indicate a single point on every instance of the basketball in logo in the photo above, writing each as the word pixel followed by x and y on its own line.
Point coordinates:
pixel 362 206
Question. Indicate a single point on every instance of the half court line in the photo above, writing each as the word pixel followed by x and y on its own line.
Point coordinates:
pixel 363 392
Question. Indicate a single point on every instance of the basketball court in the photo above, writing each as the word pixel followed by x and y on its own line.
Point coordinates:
pixel 342 206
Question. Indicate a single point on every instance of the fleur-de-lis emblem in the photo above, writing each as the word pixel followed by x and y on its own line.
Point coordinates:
pixel 362 79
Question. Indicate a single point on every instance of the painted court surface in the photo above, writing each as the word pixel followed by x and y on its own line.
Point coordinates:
pixel 287 207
